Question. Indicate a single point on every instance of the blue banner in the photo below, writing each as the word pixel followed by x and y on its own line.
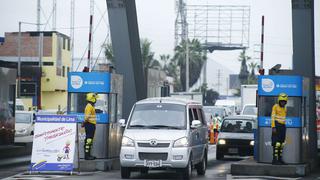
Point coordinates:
pixel 55 119
pixel 102 118
pixel 274 85
pixel 83 82
pixel 44 166
pixel 293 122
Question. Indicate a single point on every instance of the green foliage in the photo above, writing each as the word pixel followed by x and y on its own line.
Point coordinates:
pixel 209 95
pixel 197 58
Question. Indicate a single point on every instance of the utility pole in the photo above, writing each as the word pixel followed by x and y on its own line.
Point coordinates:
pixel 90 34
pixel 54 15
pixel 187 62
pixel 219 78
pixel 72 20
pixel 19 61
pixel 38 15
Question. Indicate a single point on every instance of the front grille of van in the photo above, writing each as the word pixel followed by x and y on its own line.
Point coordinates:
pixel 153 156
pixel 159 145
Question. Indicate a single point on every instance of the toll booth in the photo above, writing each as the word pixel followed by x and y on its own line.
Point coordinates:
pixel 108 86
pixel 296 87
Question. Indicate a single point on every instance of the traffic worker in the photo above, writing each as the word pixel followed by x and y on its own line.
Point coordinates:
pixel 89 124
pixel 216 127
pixel 278 125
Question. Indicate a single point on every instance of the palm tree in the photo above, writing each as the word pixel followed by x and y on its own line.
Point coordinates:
pixel 252 77
pixel 147 56
pixel 108 52
pixel 244 73
pixel 197 58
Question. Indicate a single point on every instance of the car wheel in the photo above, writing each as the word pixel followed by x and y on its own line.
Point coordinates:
pixel 31 133
pixel 125 172
pixel 144 171
pixel 202 166
pixel 187 171
pixel 219 155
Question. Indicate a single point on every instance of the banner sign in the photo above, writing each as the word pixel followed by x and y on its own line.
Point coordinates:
pixel 83 82
pixel 291 122
pixel 274 85
pixel 102 118
pixel 53 143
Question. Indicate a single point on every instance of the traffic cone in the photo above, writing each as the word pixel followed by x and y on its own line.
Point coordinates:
pixel 212 138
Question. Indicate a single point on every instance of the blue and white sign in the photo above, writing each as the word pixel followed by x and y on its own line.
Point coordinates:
pixel 83 82
pixel 274 85
pixel 291 122
pixel 102 118
pixel 54 143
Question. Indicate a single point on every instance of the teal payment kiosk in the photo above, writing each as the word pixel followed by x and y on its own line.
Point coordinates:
pixel 269 87
pixel 108 86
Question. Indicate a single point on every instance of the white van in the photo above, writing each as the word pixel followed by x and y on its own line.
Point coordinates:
pixel 164 133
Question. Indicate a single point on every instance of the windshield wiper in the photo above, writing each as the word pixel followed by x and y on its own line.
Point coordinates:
pixel 163 126
pixel 138 126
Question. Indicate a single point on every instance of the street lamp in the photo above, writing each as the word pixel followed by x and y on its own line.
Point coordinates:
pixel 19 54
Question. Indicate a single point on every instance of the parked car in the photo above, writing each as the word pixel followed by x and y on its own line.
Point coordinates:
pixel 165 133
pixel 24 123
pixel 236 136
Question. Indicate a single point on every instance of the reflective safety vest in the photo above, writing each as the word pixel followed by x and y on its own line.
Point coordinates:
pixel 278 114
pixel 90 114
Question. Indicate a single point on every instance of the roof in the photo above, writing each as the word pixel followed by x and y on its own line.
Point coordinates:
pixel 241 117
pixel 169 100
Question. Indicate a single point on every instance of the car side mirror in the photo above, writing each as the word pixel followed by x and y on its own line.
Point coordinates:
pixel 195 124
pixel 122 123
pixel 99 111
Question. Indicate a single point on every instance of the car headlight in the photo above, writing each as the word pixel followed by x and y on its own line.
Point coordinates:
pixel 222 141
pixel 127 142
pixel 23 130
pixel 182 142
pixel 252 143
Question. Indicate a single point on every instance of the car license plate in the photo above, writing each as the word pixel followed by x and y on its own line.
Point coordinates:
pixel 153 163
pixel 233 150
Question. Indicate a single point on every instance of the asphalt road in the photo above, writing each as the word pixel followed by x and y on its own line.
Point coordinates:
pixel 216 170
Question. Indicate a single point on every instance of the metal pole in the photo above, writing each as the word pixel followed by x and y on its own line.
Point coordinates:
pixel 261 70
pixel 38 15
pixel 187 63
pixel 90 34
pixel 19 60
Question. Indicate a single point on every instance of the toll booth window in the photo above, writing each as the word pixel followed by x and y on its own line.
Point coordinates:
pixel 293 106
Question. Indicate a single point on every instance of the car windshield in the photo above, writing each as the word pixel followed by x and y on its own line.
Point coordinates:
pixel 23 118
pixel 250 110
pixel 158 116
pixel 212 111
pixel 237 125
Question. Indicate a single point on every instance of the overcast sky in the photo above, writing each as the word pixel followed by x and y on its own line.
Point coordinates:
pixel 156 22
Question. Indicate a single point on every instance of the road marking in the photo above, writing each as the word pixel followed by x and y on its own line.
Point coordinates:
pixel 229 176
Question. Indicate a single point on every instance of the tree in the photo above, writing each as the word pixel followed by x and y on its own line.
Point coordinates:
pixel 209 95
pixel 252 77
pixel 108 53
pixel 197 58
pixel 147 56
pixel 244 73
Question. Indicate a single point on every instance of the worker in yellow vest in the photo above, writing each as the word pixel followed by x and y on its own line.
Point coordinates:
pixel 89 124
pixel 278 125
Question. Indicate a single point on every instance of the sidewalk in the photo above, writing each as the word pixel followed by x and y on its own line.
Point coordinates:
pixel 13 161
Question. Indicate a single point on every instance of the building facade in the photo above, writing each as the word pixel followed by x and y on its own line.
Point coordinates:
pixel 43 85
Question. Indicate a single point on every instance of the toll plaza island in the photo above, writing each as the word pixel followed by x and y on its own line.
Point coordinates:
pixel 296 145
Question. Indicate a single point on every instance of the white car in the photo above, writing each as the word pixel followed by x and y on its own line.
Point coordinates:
pixel 249 110
pixel 24 123
pixel 165 133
